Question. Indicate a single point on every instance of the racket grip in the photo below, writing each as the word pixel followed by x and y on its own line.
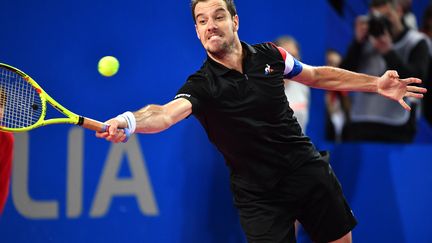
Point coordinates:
pixel 100 127
pixel 125 130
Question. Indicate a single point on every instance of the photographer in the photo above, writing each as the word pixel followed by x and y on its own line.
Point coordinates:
pixel 382 41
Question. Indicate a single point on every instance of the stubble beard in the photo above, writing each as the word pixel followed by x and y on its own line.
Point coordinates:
pixel 221 50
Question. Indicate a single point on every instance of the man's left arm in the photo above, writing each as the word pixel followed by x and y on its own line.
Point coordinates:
pixel 388 85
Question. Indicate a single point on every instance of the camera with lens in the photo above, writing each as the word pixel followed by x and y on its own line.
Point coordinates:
pixel 378 24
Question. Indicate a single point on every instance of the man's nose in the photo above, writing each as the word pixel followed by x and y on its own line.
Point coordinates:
pixel 211 24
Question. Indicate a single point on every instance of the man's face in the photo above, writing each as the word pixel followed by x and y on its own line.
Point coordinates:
pixel 215 26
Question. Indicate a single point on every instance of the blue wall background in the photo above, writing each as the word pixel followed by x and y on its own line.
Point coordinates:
pixel 172 186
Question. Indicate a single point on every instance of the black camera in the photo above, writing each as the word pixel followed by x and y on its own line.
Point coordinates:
pixel 378 24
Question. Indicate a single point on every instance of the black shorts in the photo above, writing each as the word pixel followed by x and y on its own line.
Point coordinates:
pixel 311 194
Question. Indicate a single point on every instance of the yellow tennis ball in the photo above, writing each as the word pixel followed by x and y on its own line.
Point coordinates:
pixel 108 66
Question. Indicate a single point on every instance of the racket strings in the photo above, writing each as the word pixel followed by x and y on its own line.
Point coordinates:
pixel 20 104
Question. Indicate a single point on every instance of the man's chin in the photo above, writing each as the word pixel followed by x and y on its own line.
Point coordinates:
pixel 216 50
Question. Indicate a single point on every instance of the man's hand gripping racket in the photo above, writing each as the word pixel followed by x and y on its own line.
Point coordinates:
pixel 23 106
pixel 113 134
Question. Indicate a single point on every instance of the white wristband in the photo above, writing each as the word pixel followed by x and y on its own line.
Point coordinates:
pixel 130 120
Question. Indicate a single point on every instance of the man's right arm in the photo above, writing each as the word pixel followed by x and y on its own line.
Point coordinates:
pixel 156 118
pixel 149 119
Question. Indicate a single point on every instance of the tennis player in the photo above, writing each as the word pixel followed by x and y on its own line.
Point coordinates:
pixel 277 175
pixel 6 150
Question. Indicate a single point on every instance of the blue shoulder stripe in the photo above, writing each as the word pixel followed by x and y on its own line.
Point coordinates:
pixel 297 68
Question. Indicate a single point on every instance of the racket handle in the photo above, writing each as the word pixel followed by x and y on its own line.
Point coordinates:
pixel 100 126
pixel 125 130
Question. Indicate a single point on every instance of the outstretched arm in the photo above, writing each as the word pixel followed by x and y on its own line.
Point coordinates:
pixel 149 119
pixel 388 85
pixel 156 118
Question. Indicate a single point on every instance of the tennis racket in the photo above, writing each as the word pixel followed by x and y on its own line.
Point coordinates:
pixel 23 105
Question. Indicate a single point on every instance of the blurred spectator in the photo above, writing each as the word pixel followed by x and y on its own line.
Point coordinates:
pixel 427 29
pixel 382 41
pixel 298 94
pixel 408 16
pixel 337 103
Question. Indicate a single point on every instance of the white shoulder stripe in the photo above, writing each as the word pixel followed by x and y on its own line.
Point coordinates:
pixel 289 63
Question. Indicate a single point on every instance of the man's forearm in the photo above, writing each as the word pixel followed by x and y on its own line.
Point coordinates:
pixel 339 79
pixel 151 119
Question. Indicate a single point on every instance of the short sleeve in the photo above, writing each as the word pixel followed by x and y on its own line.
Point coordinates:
pixel 195 91
pixel 292 66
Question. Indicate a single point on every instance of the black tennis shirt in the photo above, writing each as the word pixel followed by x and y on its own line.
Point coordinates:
pixel 247 116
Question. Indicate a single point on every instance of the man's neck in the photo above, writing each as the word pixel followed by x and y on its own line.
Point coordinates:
pixel 232 59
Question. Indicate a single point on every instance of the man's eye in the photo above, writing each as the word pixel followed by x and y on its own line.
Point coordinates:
pixel 219 17
pixel 202 21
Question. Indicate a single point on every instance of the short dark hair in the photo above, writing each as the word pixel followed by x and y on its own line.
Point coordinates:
pixel 230 6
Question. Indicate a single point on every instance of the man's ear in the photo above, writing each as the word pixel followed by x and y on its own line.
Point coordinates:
pixel 236 22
